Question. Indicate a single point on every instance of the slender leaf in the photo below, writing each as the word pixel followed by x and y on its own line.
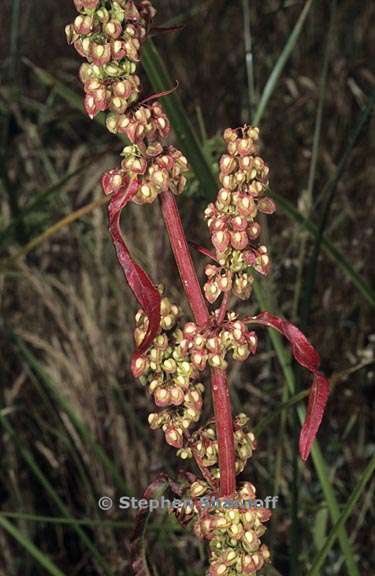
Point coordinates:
pixel 340 522
pixel 280 64
pixel 342 262
pixel 26 543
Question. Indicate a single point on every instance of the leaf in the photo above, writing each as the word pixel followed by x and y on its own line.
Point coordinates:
pixel 140 283
pixel 348 509
pixel 29 546
pixel 137 547
pixel 202 250
pixel 308 357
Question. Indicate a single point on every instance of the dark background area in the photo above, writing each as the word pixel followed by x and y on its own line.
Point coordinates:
pixel 70 410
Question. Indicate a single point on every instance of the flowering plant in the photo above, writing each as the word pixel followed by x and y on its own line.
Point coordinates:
pixel 174 358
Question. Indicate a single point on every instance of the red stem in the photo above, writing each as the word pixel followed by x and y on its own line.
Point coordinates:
pixel 220 390
pixel 183 258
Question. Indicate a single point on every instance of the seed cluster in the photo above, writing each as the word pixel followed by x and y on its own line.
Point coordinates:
pixel 171 377
pixel 203 446
pixel 110 37
pixel 234 536
pixel 172 369
pixel 232 218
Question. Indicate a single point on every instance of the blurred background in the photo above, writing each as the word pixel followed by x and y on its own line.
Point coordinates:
pixel 73 421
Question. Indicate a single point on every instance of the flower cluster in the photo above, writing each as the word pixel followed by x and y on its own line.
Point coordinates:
pixel 232 218
pixel 203 446
pixel 234 535
pixel 111 39
pixel 172 369
pixel 171 377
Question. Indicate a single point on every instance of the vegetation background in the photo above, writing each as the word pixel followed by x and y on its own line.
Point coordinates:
pixel 73 422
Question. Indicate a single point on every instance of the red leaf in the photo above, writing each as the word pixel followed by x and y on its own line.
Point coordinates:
pixel 315 410
pixel 203 250
pixel 138 557
pixel 308 357
pixel 140 283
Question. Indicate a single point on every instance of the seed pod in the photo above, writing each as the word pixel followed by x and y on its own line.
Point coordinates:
pixel 100 53
pixel 239 240
pixel 211 291
pixel 173 436
pixel 83 24
pixel 221 240
pixel 162 397
pixel 112 29
pixel 266 206
pixel 228 164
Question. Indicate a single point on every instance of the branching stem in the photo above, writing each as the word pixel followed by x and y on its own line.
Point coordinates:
pixel 219 382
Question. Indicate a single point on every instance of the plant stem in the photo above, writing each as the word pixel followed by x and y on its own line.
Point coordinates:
pixel 183 258
pixel 224 431
pixel 220 390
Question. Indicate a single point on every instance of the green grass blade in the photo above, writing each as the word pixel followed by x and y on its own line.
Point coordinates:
pixel 280 64
pixel 329 193
pixel 47 486
pixel 185 133
pixel 358 281
pixel 61 520
pixel 317 457
pixel 309 197
pixel 346 512
pixel 26 543
pixel 249 55
pixel 264 423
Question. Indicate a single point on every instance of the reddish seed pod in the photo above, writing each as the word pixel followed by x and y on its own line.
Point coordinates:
pixel 254 230
pixel 212 291
pixel 219 224
pixel 118 105
pixel 238 223
pixel 112 29
pixel 249 256
pixel 83 24
pixel 174 437
pixel 252 341
pixel 266 206
pixel 213 344
pixel 86 4
pixel 112 181
pixel 199 359
pixel 211 270
pixel 118 49
pixel 221 240
pixel 228 164
pixel 138 366
pixel 224 281
pixel 162 397
pixel 245 205
pixel 239 240
pixel 100 53
pixel 83 47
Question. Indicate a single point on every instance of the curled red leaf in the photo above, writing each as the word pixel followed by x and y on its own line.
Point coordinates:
pixel 140 283
pixel 308 357
pixel 139 562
